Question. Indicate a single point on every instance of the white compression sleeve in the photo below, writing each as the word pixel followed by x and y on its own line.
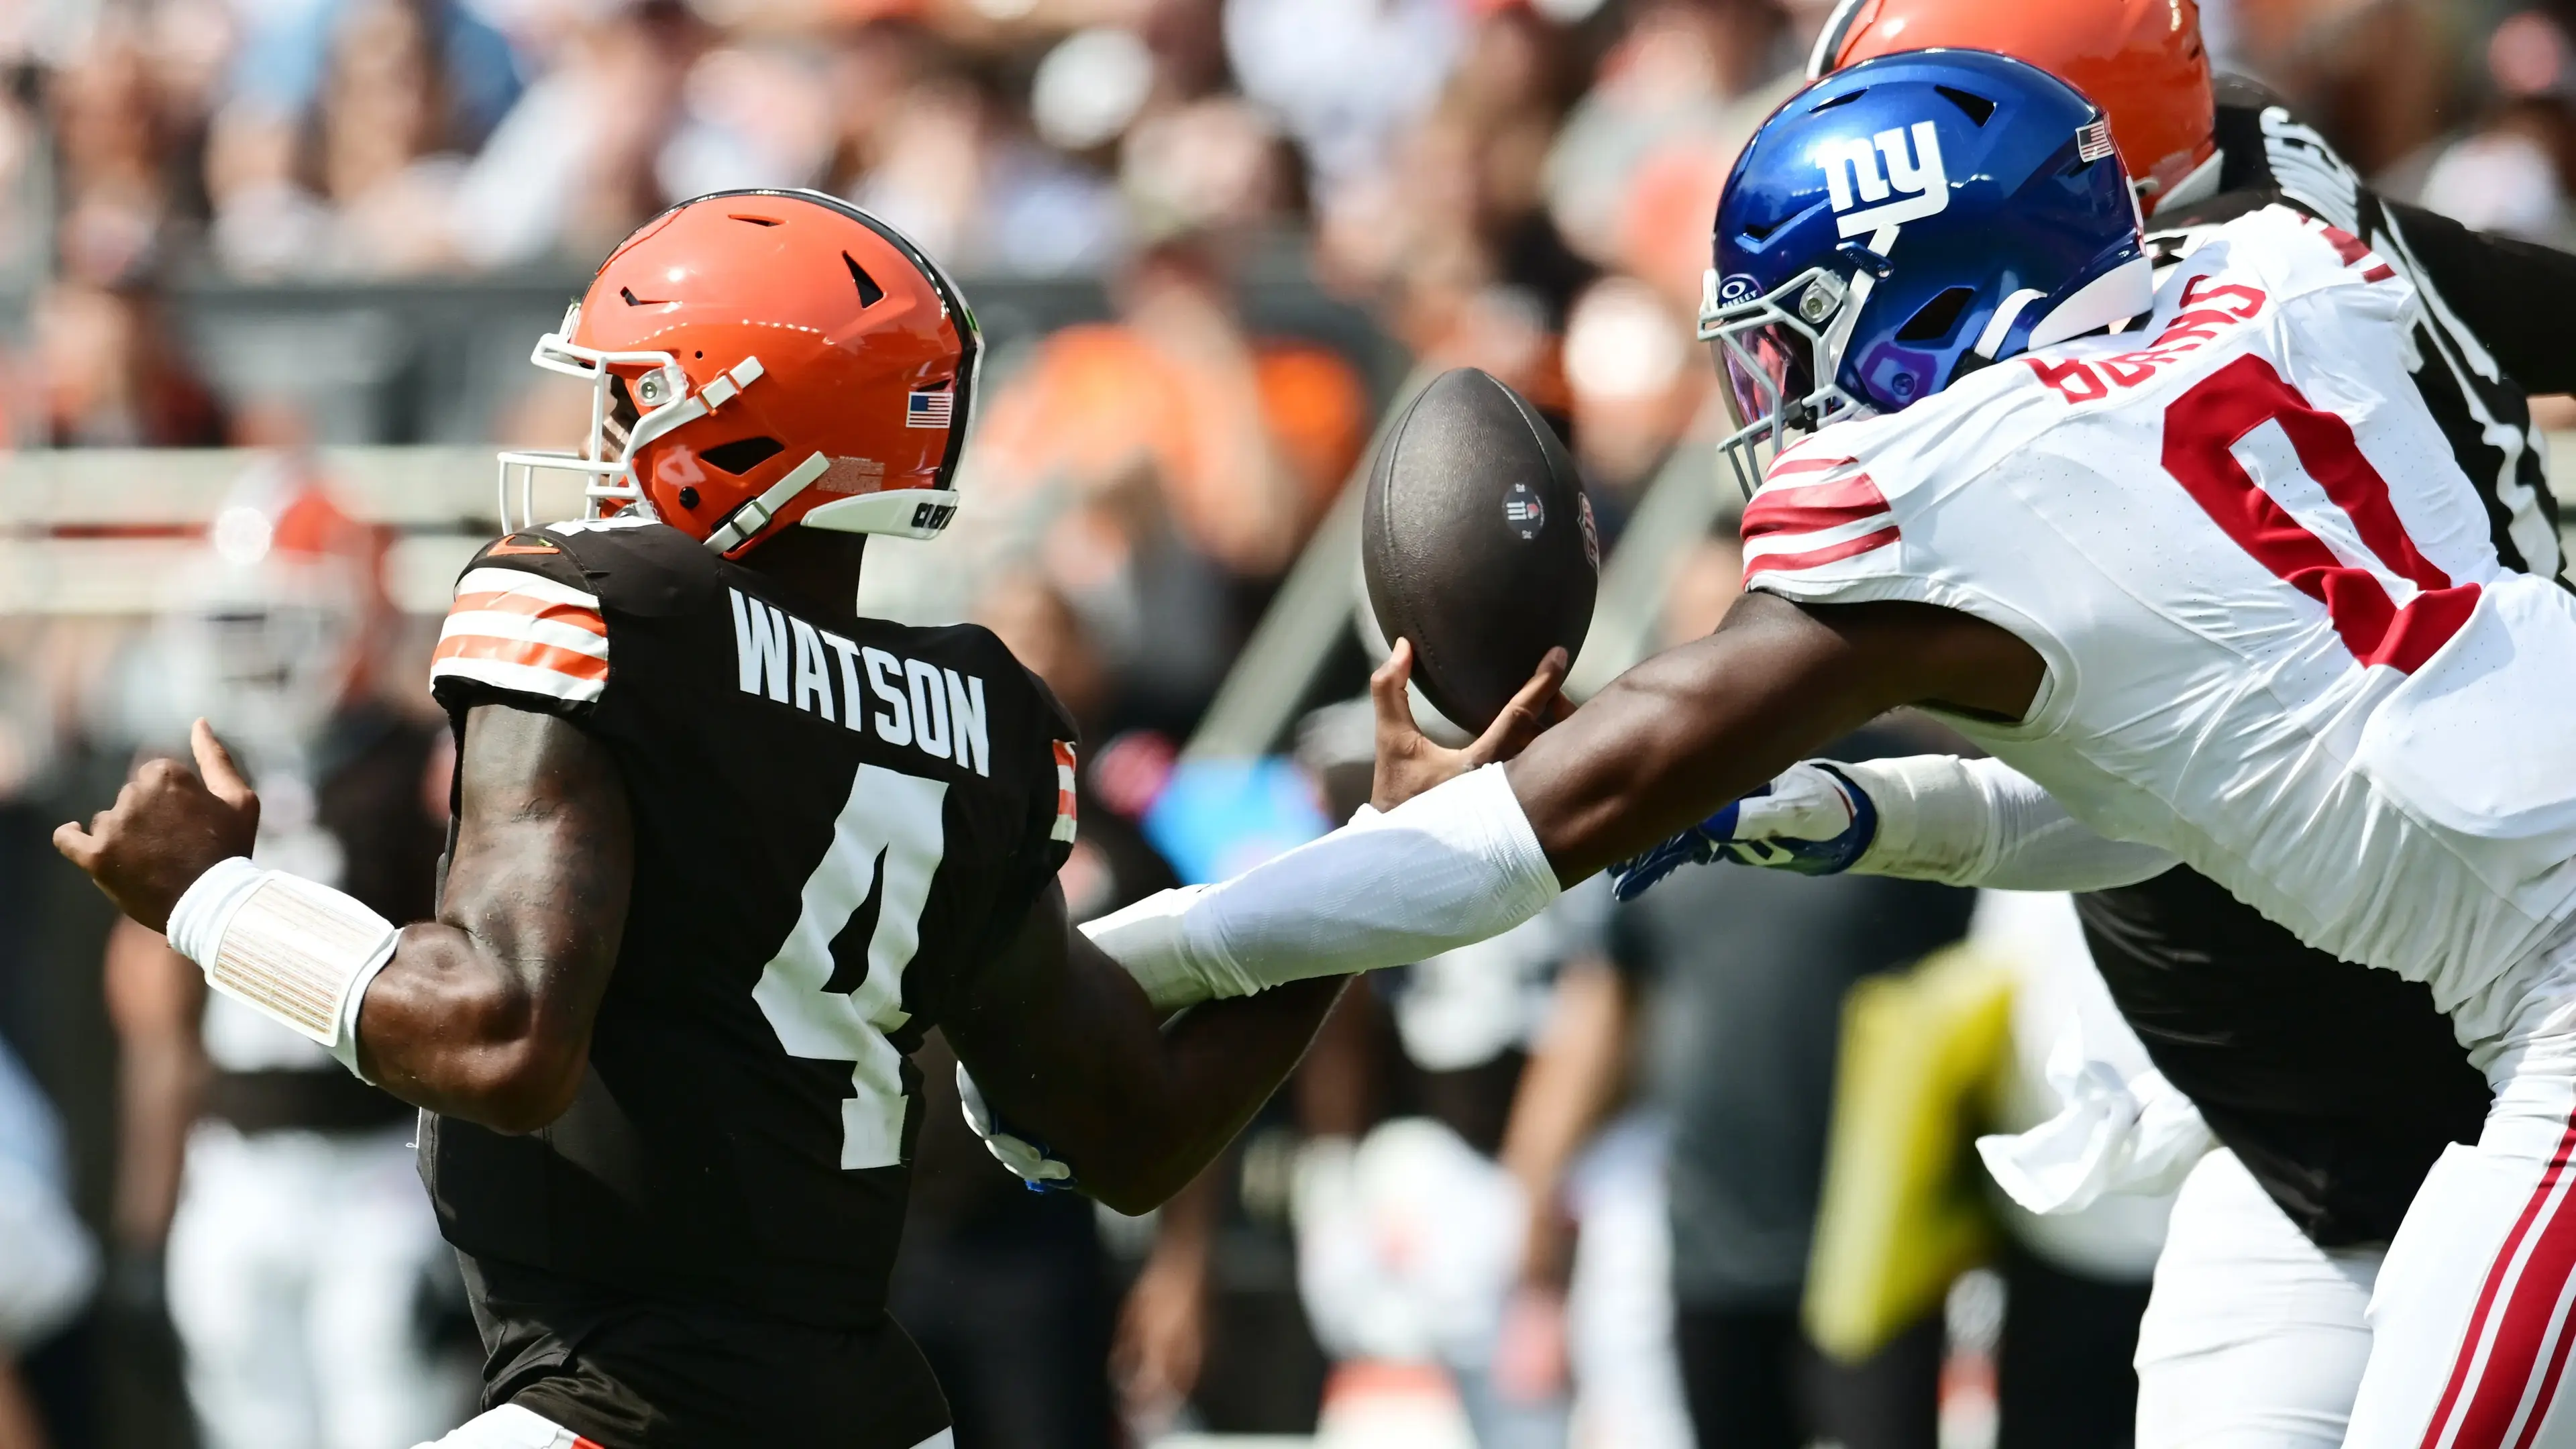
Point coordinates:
pixel 296 951
pixel 1983 823
pixel 1451 866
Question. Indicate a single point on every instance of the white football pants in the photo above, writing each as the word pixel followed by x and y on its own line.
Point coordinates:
pixel 2254 1338
pixel 511 1427
pixel 295 1268
pixel 2470 1320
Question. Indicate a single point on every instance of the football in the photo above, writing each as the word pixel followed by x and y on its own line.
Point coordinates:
pixel 1477 543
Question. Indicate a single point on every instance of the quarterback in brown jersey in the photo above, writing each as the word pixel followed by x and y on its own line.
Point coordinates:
pixel 723 850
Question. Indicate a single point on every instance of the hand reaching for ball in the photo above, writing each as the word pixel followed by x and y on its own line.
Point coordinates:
pixel 1409 762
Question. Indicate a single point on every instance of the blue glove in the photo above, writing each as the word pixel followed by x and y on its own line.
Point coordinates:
pixel 1810 819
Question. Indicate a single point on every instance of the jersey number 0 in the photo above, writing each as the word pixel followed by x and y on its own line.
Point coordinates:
pixel 2202 429
pixel 862 903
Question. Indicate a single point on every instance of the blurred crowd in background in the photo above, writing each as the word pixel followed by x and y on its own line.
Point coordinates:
pixel 1559 1190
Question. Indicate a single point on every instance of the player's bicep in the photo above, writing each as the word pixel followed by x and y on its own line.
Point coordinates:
pixel 544 858
pixel 486 1012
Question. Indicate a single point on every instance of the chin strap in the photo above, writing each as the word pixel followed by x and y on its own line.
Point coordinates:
pixel 746 521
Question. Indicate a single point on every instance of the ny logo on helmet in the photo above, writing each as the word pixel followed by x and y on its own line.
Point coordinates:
pixel 1853 178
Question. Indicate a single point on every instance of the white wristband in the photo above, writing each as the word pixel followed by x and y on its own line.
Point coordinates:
pixel 296 951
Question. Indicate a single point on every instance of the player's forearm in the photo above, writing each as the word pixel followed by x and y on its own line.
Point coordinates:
pixel 1699 725
pixel 1063 1050
pixel 155 1000
pixel 1573 1081
pixel 1665 744
pixel 1983 823
pixel 1219 1065
pixel 1573 1077
pixel 1449 867
pixel 159 1085
pixel 448 1027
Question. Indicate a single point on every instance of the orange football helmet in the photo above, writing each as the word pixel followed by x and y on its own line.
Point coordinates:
pixel 764 358
pixel 2141 61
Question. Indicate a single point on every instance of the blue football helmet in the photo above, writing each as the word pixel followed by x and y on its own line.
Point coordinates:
pixel 1904 221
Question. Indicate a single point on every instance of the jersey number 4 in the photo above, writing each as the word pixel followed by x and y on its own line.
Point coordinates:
pixel 864 903
pixel 2202 429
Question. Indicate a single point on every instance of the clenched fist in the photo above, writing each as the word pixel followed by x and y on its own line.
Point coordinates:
pixel 168 827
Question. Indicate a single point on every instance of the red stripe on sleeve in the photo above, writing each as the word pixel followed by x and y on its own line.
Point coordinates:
pixel 1815 557
pixel 1802 510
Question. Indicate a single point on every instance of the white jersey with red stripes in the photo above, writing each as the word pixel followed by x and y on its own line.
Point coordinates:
pixel 2278 639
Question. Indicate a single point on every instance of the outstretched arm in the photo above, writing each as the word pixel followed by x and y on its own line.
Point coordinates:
pixel 484 1013
pixel 1659 749
pixel 1066 1049
pixel 1702 724
pixel 1921 817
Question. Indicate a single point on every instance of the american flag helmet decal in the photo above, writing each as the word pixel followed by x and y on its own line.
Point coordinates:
pixel 931 408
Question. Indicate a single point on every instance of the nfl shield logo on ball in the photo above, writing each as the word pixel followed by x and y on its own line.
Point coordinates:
pixel 1523 513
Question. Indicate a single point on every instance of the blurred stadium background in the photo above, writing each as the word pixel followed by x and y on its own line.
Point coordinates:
pixel 252 246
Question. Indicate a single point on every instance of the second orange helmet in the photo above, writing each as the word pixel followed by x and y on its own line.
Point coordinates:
pixel 2141 61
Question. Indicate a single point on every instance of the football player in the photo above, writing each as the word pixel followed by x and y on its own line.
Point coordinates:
pixel 2193 555
pixel 723 849
pixel 297 1243
pixel 2335 1090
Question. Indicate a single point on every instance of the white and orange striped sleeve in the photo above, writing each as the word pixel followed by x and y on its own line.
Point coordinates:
pixel 522 633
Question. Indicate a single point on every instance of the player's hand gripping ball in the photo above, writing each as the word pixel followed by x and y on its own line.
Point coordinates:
pixel 1477 543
